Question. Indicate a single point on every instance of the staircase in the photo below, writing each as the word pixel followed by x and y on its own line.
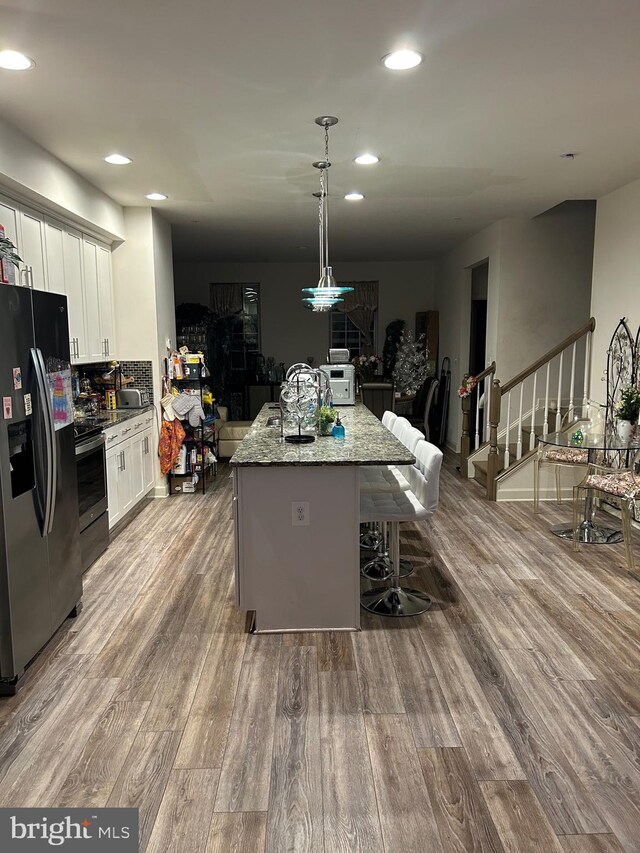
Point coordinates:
pixel 517 413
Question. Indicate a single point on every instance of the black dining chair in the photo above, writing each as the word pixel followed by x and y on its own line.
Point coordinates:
pixel 378 397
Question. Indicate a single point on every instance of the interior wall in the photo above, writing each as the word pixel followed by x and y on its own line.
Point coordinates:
pixel 453 301
pixel 539 291
pixel 547 267
pixel 33 174
pixel 143 297
pixel 290 332
pixel 616 265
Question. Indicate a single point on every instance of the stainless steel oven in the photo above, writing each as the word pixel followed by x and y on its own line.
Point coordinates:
pixel 92 493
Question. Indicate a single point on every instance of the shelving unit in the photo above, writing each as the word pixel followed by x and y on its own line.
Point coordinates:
pixel 197 438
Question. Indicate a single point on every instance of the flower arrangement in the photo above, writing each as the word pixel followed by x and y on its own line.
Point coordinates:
pixel 627 407
pixel 468 384
pixel 366 366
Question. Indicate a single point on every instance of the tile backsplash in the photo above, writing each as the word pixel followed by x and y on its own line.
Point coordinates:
pixel 142 373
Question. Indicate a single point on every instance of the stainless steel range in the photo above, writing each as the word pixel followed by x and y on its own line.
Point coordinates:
pixel 92 490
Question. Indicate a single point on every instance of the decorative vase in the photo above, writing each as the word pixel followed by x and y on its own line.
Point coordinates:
pixel 624 430
pixel 326 427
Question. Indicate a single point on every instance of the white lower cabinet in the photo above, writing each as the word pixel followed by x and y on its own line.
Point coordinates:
pixel 130 464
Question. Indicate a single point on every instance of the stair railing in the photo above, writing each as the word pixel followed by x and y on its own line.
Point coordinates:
pixel 482 392
pixel 534 400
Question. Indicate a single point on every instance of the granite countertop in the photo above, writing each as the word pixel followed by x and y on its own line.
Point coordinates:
pixel 112 417
pixel 367 442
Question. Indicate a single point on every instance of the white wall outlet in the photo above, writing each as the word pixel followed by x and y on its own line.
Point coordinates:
pixel 300 513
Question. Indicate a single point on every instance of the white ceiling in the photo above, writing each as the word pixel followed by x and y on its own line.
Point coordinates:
pixel 215 102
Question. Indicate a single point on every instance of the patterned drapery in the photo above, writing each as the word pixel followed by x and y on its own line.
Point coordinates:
pixel 225 299
pixel 360 306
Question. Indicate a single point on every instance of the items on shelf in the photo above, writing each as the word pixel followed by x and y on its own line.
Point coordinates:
pixel 188 401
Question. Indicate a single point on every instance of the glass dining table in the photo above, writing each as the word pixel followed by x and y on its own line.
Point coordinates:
pixel 590 532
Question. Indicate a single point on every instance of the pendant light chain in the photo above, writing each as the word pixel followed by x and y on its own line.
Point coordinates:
pixel 325 172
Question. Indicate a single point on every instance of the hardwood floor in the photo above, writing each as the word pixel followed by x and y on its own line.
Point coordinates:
pixel 506 719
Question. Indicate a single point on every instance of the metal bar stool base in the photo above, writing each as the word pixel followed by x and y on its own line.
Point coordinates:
pixel 378 569
pixel 370 541
pixel 396 601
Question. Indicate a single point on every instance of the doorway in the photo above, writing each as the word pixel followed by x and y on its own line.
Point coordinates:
pixel 478 331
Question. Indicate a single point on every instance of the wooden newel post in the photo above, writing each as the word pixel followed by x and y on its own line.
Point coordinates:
pixel 493 461
pixel 465 441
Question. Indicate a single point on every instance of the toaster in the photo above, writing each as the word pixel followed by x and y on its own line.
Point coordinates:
pixel 132 398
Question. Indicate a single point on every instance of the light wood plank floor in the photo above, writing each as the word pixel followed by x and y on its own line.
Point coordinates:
pixel 505 719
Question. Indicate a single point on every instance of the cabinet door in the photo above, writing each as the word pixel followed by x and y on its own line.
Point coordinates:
pixel 54 252
pixel 10 220
pixel 72 252
pixel 105 295
pixel 150 461
pixel 95 348
pixel 114 463
pixel 32 250
pixel 125 480
pixel 137 466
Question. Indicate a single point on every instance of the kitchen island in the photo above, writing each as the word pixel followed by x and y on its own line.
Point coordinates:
pixel 296 516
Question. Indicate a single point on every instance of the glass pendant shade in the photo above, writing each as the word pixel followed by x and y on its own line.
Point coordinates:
pixel 328 292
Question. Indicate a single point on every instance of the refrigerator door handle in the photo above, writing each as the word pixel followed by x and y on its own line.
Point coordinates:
pixel 52 434
pixel 45 404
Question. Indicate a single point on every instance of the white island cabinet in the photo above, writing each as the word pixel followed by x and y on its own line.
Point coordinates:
pixel 296 510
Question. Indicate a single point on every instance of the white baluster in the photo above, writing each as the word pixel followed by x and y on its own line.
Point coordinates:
pixel 559 409
pixel 545 423
pixel 506 449
pixel 587 371
pixel 534 407
pixel 573 379
pixel 519 440
pixel 487 405
pixel 476 438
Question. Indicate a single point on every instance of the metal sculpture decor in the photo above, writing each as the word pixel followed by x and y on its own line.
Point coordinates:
pixel 621 367
pixel 303 392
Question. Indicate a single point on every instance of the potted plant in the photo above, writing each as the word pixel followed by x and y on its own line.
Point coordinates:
pixel 627 409
pixel 326 417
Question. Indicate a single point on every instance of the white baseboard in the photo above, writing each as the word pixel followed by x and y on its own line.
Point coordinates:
pixel 160 491
pixel 526 494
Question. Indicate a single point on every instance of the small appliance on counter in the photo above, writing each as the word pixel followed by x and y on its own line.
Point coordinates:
pixel 132 398
pixel 342 378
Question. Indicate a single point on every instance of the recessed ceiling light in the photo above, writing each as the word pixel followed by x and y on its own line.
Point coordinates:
pixel 366 159
pixel 118 159
pixel 354 197
pixel 157 197
pixel 401 60
pixel 13 60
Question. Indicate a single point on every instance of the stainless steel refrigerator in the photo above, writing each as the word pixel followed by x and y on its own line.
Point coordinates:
pixel 40 570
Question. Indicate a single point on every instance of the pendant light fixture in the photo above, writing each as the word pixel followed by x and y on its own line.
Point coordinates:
pixel 323 297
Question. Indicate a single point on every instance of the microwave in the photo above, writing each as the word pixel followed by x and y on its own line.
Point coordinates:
pixel 342 378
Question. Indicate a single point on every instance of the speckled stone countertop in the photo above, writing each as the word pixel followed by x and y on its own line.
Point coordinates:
pixel 112 417
pixel 367 442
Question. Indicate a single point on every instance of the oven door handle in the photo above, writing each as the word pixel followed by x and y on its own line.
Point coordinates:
pixel 87 446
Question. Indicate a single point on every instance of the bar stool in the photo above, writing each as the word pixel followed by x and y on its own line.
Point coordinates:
pixel 372 478
pixel 417 504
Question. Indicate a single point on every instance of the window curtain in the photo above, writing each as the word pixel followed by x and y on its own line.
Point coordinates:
pixel 225 299
pixel 360 306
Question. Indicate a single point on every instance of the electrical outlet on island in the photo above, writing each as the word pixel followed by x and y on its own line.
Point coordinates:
pixel 300 513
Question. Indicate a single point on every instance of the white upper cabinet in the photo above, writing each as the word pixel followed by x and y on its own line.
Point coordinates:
pixel 32 248
pixel 74 288
pixel 54 253
pixel 60 259
pixel 105 298
pixel 10 219
pixel 95 340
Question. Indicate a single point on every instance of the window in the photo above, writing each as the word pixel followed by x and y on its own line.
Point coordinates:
pixel 345 335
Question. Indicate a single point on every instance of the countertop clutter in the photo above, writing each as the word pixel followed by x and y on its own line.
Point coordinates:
pixel 111 418
pixel 366 442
